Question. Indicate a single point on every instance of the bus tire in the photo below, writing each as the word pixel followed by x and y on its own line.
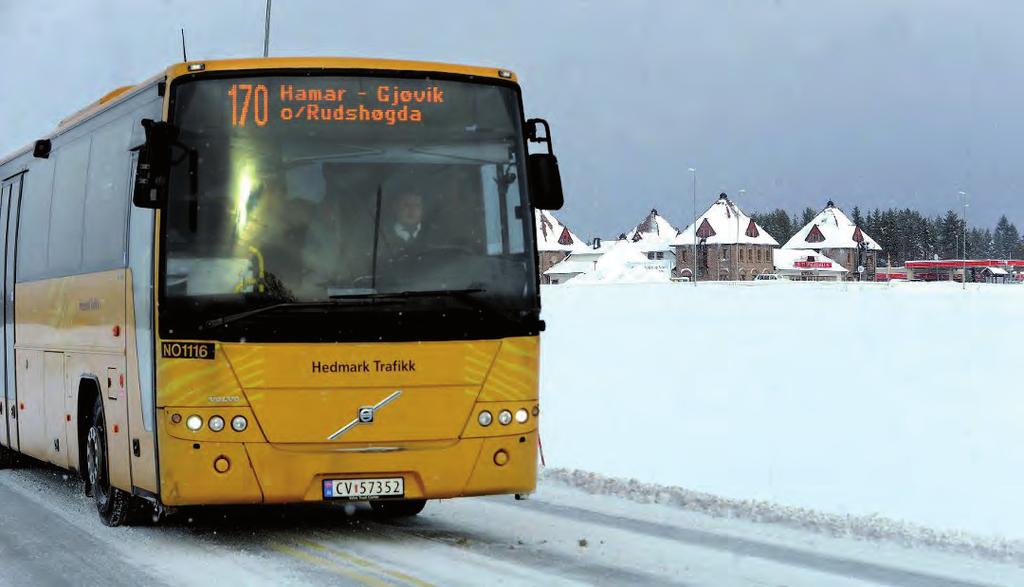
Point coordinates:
pixel 112 504
pixel 405 508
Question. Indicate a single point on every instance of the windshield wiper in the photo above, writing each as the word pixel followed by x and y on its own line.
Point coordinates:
pixel 224 320
pixel 240 315
pixel 425 293
pixel 464 295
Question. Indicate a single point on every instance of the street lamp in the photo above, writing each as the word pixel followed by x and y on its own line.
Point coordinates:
pixel 693 173
pixel 736 247
pixel 964 196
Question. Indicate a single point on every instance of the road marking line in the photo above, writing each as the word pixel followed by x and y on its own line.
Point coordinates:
pixel 330 565
pixel 365 562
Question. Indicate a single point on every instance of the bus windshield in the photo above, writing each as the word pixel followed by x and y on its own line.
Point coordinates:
pixel 318 188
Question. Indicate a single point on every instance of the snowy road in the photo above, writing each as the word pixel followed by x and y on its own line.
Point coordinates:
pixel 49 535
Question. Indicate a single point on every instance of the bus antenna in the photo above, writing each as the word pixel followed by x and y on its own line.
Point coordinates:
pixel 184 55
pixel 266 32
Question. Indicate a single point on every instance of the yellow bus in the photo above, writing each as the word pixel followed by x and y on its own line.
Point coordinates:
pixel 279 280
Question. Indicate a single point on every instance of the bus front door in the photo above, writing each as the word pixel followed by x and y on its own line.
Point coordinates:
pixel 10 197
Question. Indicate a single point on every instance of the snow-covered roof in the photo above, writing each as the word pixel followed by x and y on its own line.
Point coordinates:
pixel 997 270
pixel 804 260
pixel 552 235
pixel 725 224
pixel 653 228
pixel 830 229
pixel 603 246
pixel 571 265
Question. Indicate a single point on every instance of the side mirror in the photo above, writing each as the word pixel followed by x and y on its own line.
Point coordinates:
pixel 42 148
pixel 544 180
pixel 154 166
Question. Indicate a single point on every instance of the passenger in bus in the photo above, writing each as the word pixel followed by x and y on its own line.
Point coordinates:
pixel 274 225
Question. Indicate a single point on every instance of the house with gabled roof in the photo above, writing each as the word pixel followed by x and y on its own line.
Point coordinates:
pixel 724 244
pixel 834 235
pixel 554 242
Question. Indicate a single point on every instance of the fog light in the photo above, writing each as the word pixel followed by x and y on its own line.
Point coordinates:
pixel 176 418
pixel 501 458
pixel 216 423
pixel 505 417
pixel 239 423
pixel 194 423
pixel 485 418
pixel 222 464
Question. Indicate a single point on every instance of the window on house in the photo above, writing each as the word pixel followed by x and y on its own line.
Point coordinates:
pixel 660 255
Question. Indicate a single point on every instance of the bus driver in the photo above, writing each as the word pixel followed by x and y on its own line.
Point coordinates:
pixel 406 231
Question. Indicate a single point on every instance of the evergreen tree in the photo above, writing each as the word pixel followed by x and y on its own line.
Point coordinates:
pixel 776 223
pixel 949 236
pixel 857 218
pixel 1005 239
pixel 808 215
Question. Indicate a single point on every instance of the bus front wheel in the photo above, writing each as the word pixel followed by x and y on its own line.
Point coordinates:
pixel 112 503
pixel 398 509
pixel 8 458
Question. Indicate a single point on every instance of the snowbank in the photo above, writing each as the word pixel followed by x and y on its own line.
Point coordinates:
pixel 895 400
pixel 626 263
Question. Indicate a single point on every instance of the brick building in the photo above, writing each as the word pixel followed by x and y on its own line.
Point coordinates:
pixel 729 245
pixel 554 242
pixel 834 235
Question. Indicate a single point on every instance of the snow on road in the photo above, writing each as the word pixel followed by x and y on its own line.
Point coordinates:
pixel 49 534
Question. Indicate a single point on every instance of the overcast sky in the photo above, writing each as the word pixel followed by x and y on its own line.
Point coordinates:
pixel 868 102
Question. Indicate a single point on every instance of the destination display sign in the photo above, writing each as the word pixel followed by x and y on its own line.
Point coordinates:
pixel 276 102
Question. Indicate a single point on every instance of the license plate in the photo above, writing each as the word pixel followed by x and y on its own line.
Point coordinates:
pixel 364 488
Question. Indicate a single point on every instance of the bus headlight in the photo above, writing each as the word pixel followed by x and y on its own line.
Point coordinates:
pixel 485 418
pixel 505 417
pixel 194 423
pixel 522 415
pixel 239 423
pixel 216 423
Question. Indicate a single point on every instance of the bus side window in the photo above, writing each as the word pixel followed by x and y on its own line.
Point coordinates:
pixel 107 197
pixel 35 213
pixel 64 252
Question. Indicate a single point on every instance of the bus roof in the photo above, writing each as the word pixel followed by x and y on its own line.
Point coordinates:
pixel 272 63
pixel 179 69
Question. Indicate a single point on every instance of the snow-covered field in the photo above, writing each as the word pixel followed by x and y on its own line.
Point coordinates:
pixel 901 401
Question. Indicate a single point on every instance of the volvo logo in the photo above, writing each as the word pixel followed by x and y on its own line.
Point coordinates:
pixel 365 415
